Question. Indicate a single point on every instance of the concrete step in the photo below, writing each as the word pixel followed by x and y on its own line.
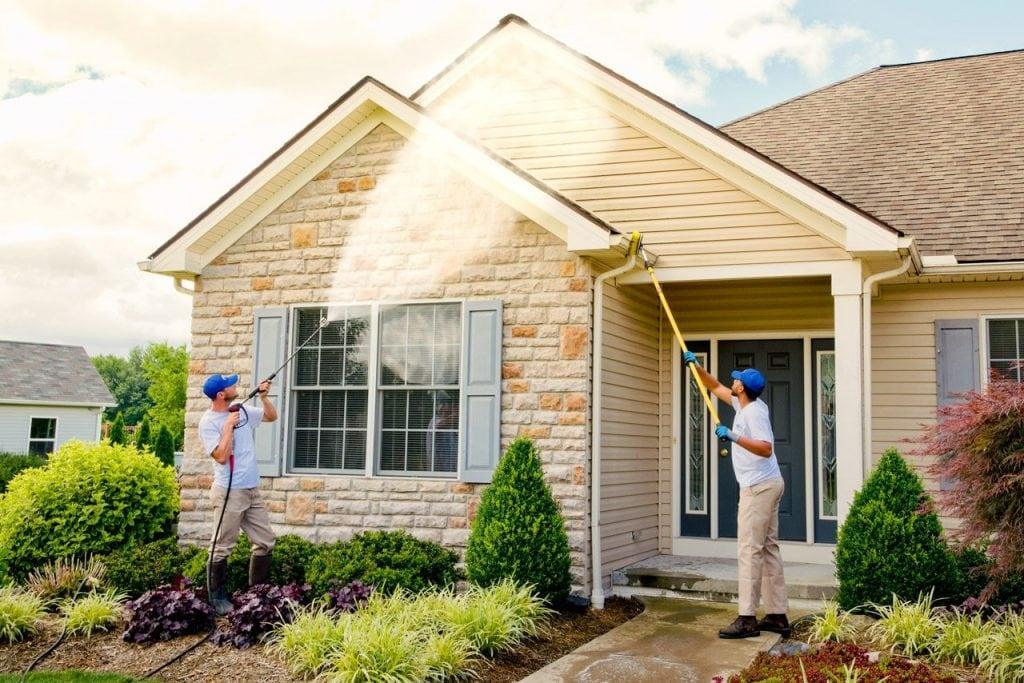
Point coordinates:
pixel 715 579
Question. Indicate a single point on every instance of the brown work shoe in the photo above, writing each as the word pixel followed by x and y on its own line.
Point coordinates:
pixel 743 627
pixel 776 623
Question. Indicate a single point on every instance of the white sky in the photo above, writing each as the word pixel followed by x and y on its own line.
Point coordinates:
pixel 120 120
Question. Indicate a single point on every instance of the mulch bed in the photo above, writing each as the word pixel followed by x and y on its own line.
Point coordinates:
pixel 107 652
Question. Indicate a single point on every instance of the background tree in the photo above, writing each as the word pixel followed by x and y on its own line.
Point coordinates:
pixel 117 434
pixel 143 435
pixel 163 447
pixel 128 383
pixel 166 367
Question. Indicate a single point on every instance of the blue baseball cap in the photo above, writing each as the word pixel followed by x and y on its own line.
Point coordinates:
pixel 215 383
pixel 752 379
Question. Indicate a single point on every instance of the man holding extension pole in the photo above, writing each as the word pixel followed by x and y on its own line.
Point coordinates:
pixel 761 487
pixel 227 434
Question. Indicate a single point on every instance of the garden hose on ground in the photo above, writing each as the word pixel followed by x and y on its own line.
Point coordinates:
pixel 60 639
pixel 636 246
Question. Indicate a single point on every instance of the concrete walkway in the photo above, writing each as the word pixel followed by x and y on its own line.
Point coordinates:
pixel 673 640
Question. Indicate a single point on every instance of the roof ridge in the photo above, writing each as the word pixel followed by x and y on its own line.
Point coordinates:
pixel 950 59
pixel 28 343
pixel 801 96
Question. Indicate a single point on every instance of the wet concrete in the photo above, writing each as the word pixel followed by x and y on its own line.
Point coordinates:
pixel 673 640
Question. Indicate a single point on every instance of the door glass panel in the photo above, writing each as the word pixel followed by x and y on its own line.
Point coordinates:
pixel 826 446
pixel 696 446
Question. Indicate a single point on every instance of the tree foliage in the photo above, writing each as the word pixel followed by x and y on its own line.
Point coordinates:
pixel 980 447
pixel 166 367
pixel 127 381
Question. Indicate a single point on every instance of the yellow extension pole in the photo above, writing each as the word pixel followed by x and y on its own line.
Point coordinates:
pixel 635 246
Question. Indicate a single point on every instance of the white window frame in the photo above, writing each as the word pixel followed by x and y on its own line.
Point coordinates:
pixel 818 460
pixel 702 357
pixel 983 352
pixel 56 432
pixel 374 398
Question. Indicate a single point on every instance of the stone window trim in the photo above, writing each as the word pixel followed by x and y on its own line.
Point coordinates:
pixel 991 357
pixel 373 431
pixel 37 442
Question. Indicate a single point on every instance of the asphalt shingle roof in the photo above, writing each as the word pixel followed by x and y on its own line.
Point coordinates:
pixel 49 372
pixel 935 149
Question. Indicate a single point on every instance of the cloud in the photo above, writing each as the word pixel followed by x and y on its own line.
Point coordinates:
pixel 923 54
pixel 122 119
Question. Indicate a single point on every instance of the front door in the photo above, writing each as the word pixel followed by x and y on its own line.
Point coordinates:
pixel 781 361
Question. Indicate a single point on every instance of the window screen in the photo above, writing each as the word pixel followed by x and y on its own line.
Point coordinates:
pixel 330 390
pixel 42 435
pixel 1006 347
pixel 419 388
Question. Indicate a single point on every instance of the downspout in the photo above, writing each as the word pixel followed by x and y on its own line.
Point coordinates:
pixel 182 288
pixel 597 591
pixel 869 287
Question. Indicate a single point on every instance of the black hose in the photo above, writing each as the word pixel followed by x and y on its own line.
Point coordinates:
pixel 60 639
pixel 209 594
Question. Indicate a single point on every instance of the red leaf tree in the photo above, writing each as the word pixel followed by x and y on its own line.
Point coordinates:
pixel 980 447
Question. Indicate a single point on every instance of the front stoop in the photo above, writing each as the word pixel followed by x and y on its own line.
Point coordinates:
pixel 714 579
pixel 671 641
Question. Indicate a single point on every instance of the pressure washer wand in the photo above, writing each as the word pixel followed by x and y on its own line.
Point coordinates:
pixel 324 322
pixel 636 245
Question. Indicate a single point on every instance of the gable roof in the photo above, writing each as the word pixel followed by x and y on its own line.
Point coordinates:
pixel 933 148
pixel 365 105
pixel 50 373
pixel 865 231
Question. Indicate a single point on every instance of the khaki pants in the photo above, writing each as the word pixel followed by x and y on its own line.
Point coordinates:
pixel 245 512
pixel 760 563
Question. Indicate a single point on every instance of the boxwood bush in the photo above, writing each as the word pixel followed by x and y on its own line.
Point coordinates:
pixel 13 463
pixel 292 554
pixel 90 498
pixel 892 542
pixel 386 560
pixel 139 567
pixel 518 532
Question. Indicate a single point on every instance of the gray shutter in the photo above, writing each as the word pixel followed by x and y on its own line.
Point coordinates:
pixel 481 396
pixel 270 334
pixel 957 364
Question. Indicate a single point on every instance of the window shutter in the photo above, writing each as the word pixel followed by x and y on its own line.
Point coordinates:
pixel 956 364
pixel 481 397
pixel 270 335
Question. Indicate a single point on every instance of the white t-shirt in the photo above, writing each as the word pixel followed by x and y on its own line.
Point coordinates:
pixel 753 422
pixel 247 473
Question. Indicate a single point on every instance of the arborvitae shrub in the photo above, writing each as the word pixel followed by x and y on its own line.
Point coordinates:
pixel 519 532
pixel 117 434
pixel 163 447
pixel 144 436
pixel 892 540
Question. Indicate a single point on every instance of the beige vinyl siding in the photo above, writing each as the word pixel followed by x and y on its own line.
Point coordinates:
pixel 629 437
pixel 573 143
pixel 903 351
pixel 728 308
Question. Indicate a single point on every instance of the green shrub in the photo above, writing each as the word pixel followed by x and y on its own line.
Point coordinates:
pixel 93 612
pixel 1002 650
pixel 909 626
pixel 961 639
pixel 518 532
pixel 163 446
pixel 13 463
pixel 20 612
pixel 118 436
pixel 386 560
pixel 144 435
pixel 67 577
pixel 238 565
pixel 974 574
pixel 833 624
pixel 892 541
pixel 139 567
pixel 292 554
pixel 88 499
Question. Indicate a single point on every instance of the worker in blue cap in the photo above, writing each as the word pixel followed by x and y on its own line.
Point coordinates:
pixel 756 468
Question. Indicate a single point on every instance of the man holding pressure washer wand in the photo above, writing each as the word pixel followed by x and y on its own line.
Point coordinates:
pixel 761 487
pixel 227 431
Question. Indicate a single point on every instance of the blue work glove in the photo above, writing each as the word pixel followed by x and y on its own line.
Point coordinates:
pixel 723 432
pixel 690 357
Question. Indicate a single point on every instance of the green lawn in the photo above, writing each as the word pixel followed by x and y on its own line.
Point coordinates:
pixel 66 677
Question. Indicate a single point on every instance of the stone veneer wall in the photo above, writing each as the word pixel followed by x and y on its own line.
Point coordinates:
pixel 397 225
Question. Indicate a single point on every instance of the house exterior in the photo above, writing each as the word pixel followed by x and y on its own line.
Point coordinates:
pixel 49 393
pixel 469 245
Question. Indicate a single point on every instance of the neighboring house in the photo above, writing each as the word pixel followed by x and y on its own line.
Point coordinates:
pixel 49 393
pixel 474 299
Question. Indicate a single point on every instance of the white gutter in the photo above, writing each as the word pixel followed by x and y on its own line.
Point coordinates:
pixel 869 292
pixel 597 591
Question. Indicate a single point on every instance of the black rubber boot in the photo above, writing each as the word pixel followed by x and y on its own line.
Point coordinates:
pixel 259 569
pixel 743 627
pixel 219 588
pixel 776 623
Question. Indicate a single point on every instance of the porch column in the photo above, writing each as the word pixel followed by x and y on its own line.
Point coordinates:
pixel 847 283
